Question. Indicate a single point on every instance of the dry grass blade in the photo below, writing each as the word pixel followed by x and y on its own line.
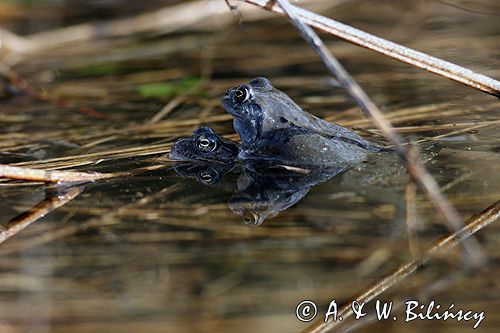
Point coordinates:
pixel 474 224
pixel 415 166
pixel 390 49
pixel 19 223
pixel 49 176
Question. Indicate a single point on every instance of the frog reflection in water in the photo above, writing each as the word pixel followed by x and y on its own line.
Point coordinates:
pixel 204 173
pixel 263 189
pixel 272 127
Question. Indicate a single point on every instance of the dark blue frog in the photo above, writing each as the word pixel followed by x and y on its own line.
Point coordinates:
pixel 273 127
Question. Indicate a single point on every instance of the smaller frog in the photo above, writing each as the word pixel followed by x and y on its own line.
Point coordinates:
pixel 272 126
pixel 204 146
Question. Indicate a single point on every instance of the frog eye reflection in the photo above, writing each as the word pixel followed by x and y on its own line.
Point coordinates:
pixel 205 143
pixel 207 176
pixel 241 95
pixel 250 218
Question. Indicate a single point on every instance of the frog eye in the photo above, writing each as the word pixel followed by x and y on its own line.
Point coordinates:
pixel 205 143
pixel 241 95
pixel 207 176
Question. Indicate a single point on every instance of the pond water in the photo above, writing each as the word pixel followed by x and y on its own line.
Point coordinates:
pixel 161 249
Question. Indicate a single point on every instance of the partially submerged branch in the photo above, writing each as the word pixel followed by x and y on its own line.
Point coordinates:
pixel 52 202
pixel 388 48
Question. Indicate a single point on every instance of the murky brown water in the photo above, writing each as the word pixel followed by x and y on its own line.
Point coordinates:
pixel 158 252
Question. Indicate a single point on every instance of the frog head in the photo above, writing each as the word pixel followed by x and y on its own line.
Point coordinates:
pixel 258 108
pixel 204 146
pixel 244 103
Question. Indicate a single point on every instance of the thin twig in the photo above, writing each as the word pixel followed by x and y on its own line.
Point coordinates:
pixel 388 48
pixel 425 295
pixel 52 202
pixel 415 166
pixel 474 224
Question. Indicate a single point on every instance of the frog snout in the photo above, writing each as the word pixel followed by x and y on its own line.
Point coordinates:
pixel 228 95
pixel 175 154
pixel 180 150
pixel 228 101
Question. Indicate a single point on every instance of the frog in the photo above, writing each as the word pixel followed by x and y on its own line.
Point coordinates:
pixel 204 146
pixel 272 126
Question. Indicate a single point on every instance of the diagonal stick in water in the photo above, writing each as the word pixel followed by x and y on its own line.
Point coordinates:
pixel 19 223
pixel 415 167
pixel 474 224
pixel 388 48
pixel 68 230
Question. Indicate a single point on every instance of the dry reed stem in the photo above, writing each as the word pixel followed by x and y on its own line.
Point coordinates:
pixel 474 224
pixel 50 176
pixel 415 166
pixel 390 49
pixel 71 177
pixel 19 223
